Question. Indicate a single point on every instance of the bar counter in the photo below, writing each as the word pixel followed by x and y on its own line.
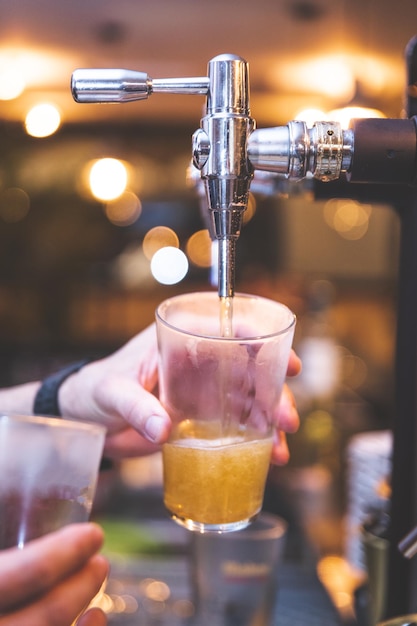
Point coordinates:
pixel 301 598
pixel 150 582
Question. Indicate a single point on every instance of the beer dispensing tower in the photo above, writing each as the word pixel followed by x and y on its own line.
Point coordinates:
pixel 381 154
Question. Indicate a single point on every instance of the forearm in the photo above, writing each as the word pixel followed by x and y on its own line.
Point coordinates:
pixel 19 399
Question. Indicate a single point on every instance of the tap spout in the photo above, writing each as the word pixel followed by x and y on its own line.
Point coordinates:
pixel 220 153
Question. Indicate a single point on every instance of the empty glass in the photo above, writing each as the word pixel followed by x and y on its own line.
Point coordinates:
pixel 234 575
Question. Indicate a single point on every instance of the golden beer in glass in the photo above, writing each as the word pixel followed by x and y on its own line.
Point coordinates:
pixel 222 393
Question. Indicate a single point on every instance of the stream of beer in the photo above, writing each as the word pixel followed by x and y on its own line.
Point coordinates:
pixel 226 317
pixel 226 330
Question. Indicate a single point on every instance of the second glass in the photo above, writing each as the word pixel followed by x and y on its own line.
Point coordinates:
pixel 49 470
pixel 221 373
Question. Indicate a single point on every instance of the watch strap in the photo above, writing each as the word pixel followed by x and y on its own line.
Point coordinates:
pixel 46 399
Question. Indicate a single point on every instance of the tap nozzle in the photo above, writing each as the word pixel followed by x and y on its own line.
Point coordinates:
pixel 220 154
pixel 226 225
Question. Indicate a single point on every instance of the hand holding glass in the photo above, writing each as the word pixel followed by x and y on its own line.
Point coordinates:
pixel 49 470
pixel 222 392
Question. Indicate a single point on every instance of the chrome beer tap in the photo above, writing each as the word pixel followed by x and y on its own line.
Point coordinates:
pixel 227 149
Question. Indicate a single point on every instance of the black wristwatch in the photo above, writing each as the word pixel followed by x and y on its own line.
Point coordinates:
pixel 46 399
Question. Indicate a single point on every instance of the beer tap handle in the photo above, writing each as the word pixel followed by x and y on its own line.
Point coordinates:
pixel 120 85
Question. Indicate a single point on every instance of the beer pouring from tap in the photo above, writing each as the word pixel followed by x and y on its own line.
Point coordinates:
pixel 382 151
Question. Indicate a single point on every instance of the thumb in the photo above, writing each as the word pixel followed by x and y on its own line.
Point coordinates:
pixel 127 399
pixel 93 617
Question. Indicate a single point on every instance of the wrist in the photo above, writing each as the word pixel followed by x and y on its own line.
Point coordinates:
pixel 47 400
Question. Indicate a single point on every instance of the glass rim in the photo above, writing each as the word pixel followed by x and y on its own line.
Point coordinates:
pixel 276 528
pixel 54 422
pixel 240 296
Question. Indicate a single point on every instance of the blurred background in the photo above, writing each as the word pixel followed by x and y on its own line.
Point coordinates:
pixel 77 240
pixel 89 193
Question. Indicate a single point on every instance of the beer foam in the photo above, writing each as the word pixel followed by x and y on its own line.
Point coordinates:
pixel 219 442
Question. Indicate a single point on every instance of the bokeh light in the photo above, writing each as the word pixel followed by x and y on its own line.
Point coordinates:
pixel 124 210
pixel 331 75
pixel 14 204
pixel 199 247
pixel 157 238
pixel 12 83
pixel 336 574
pixel 343 116
pixel 350 219
pixel 42 120
pixel 169 265
pixel 108 179
pixel 131 267
pixel 158 590
pixel 311 115
pixel 346 114
pixel 318 425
